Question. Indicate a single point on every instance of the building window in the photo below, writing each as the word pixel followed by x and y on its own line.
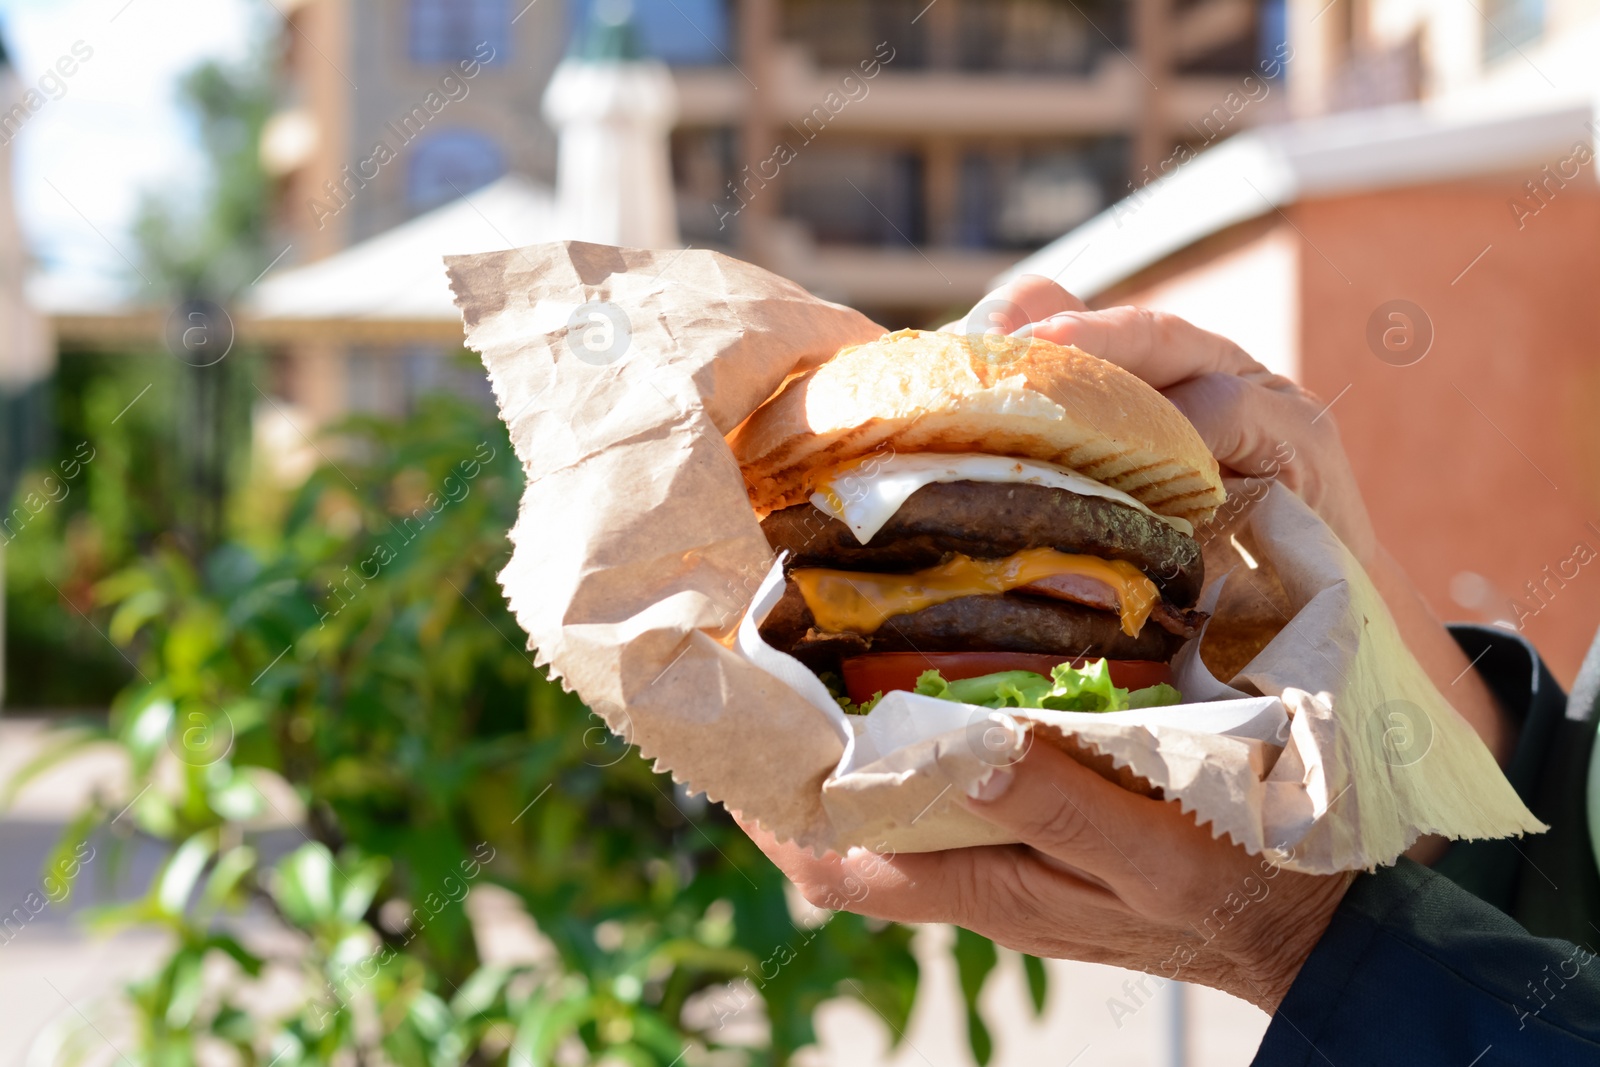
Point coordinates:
pixel 447 31
pixel 1272 34
pixel 1510 24
pixel 680 32
pixel 855 196
pixel 1024 200
pixel 451 164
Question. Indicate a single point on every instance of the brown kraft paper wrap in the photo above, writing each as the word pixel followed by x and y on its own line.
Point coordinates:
pixel 637 560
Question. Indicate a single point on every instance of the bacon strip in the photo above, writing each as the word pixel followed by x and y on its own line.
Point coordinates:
pixel 1092 593
pixel 1185 622
pixel 1078 588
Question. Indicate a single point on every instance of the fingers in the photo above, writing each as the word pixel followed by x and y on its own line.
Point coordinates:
pixel 1160 348
pixel 1066 811
pixel 1251 430
pixel 989 889
pixel 797 864
pixel 1034 297
pixel 1001 891
pixel 1029 298
pixel 1271 428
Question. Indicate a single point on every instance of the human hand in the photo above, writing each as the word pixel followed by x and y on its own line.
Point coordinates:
pixel 1102 875
pixel 1257 424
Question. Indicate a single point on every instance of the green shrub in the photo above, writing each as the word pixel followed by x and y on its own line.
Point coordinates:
pixel 351 642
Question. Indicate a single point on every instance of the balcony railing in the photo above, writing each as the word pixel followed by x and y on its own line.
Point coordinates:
pixel 1021 36
pixel 1378 77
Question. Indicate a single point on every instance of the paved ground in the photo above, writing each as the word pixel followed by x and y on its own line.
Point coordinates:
pixel 53 975
pixel 1077 1029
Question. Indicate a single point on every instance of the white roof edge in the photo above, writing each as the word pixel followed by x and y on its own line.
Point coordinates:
pixel 1267 168
pixel 399 273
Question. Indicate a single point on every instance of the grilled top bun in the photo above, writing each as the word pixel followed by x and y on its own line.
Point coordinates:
pixel 918 391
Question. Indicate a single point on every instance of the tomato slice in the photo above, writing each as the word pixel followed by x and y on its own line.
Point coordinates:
pixel 882 672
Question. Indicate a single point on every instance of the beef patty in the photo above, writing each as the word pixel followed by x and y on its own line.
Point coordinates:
pixel 987 520
pixel 990 623
pixel 990 520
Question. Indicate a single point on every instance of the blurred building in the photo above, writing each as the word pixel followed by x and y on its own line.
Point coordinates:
pixel 892 154
pixel 1483 56
pixel 1427 264
pixel 27 353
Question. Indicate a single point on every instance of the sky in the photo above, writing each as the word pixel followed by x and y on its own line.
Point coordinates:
pixel 114 128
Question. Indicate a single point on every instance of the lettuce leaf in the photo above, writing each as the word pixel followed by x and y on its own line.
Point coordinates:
pixel 1068 688
pixel 861 708
pixel 836 689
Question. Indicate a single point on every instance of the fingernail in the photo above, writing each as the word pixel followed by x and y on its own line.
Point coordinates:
pixel 1025 330
pixel 992 786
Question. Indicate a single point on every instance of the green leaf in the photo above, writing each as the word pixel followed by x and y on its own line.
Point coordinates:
pixel 183 989
pixel 237 799
pixel 480 991
pixel 146 732
pixel 1086 688
pixel 862 708
pixel 545 1022
pixel 1069 688
pixel 1038 983
pixel 61 747
pixel 73 852
pixel 303 887
pixel 1159 695
pixel 353 948
pixel 231 868
pixel 106 919
pixel 193 638
pixel 248 961
pixel 131 615
pixel 178 878
pixel 430 1015
pixel 287 1047
pixel 932 684
pixel 358 890
pixel 236 1027
pixel 975 958
pixel 153 813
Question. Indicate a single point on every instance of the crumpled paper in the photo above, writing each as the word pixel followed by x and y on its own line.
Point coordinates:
pixel 640 574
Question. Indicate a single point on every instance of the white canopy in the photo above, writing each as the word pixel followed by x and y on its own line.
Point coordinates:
pixel 394 284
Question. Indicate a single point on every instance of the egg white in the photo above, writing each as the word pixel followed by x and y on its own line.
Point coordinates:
pixel 866 497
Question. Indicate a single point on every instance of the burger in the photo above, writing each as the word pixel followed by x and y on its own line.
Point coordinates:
pixel 995 520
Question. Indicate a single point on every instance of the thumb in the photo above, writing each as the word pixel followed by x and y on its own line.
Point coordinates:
pixel 1025 299
pixel 1268 427
pixel 1251 430
pixel 1099 831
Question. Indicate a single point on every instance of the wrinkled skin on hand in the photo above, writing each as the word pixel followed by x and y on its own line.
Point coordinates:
pixel 1103 875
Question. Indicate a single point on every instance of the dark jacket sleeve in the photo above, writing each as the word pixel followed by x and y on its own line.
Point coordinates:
pixel 1415 970
pixel 1439 967
pixel 1548 882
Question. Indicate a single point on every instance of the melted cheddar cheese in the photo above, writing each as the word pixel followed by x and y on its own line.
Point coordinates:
pixel 859 602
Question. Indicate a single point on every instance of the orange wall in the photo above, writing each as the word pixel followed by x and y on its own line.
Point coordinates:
pixel 1519 336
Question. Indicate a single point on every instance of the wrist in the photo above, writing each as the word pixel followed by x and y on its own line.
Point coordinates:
pixel 1268 967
